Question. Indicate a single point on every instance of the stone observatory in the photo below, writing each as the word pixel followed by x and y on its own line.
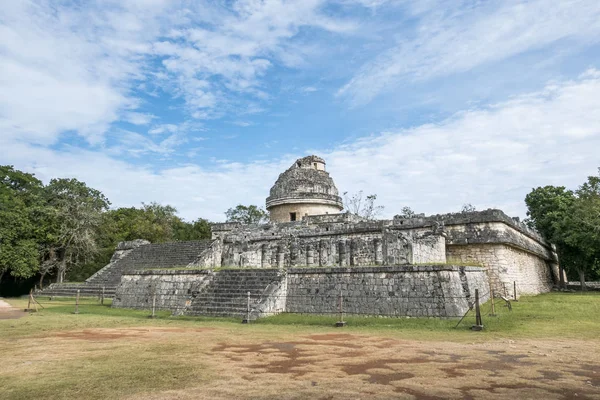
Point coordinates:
pixel 303 189
pixel 312 259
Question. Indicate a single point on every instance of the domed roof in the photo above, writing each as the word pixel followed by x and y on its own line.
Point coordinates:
pixel 306 181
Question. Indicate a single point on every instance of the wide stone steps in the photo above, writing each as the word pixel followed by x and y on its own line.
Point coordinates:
pixel 156 255
pixel 227 294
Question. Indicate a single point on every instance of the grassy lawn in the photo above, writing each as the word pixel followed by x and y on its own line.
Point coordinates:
pixel 546 345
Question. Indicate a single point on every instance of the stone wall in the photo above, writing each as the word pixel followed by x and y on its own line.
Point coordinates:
pixel 173 288
pixel 416 291
pixel 398 291
pixel 363 243
pixel 506 264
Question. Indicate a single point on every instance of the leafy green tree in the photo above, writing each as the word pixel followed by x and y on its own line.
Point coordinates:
pixel 75 220
pixel 247 214
pixel 570 220
pixel 580 228
pixel 196 230
pixel 153 222
pixel 22 228
pixel 546 209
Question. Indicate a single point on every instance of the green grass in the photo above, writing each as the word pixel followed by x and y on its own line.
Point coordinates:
pixel 569 315
pixel 573 315
pixel 42 359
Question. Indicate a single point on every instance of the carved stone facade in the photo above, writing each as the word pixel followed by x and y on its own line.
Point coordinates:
pixel 509 249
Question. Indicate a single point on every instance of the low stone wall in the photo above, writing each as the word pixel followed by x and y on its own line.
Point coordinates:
pixel 415 291
pixel 173 288
pixel 396 291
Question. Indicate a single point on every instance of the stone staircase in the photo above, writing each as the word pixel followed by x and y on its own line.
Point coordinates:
pixel 130 256
pixel 70 290
pixel 227 293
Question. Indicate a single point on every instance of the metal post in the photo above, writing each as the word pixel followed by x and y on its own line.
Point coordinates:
pixel 77 303
pixel 154 305
pixel 247 319
pixel 341 322
pixel 515 291
pixel 493 313
pixel 478 322
pixel 102 298
pixel 341 307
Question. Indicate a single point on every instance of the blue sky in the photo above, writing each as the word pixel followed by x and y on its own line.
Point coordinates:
pixel 201 104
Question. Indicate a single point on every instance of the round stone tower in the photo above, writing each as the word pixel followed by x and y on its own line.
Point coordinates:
pixel 304 189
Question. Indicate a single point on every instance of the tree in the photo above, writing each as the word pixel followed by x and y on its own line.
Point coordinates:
pixel 247 214
pixel 407 212
pixel 546 210
pixel 580 228
pixel 197 230
pixel 75 220
pixel 570 220
pixel 468 207
pixel 22 227
pixel 362 206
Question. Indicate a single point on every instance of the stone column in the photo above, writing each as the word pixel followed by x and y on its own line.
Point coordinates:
pixel 280 256
pixel 353 252
pixel 265 256
pixel 378 251
pixel 342 253
pixel 237 250
pixel 310 255
pixel 323 252
pixel 294 250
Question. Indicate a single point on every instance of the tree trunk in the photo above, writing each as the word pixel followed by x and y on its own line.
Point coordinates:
pixel 582 279
pixel 43 275
pixel 561 278
pixel 1 275
pixel 62 268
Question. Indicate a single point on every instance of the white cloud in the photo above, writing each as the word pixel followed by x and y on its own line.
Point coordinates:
pixel 69 69
pixel 137 118
pixel 76 68
pixel 457 37
pixel 243 124
pixel 490 157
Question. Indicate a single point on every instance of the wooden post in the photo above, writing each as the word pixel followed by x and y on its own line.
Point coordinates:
pixel 247 319
pixel 477 308
pixel 493 313
pixel 341 322
pixel 154 305
pixel 77 303
pixel 102 296
pixel 478 322
pixel 29 302
pixel 515 291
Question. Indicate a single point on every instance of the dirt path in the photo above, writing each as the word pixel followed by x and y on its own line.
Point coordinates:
pixel 9 312
pixel 214 363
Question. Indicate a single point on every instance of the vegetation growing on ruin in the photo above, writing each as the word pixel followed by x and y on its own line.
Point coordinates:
pixel 65 230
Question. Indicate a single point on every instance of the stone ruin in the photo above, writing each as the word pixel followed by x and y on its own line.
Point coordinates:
pixel 309 256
